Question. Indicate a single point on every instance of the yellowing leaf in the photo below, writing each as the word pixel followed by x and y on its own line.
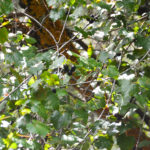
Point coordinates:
pixel 25 111
pixel 10 135
pixel 5 23
pixel 13 146
pixel 50 79
pixel 6 142
pixel 72 2
pixel 108 1
pixel 3 117
pixel 32 80
pixel 19 102
pixel 97 1
pixel 91 138
pixel 3 35
pixel 1 98
pixel 90 50
pixel 46 146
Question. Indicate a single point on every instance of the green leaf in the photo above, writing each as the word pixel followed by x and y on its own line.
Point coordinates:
pixel 141 99
pixel 29 53
pixel 82 114
pixel 6 7
pixel 36 68
pixel 40 110
pixel 53 100
pixel 57 14
pixel 1 19
pixel 72 2
pixel 104 56
pixel 37 127
pixel 57 62
pixel 61 93
pixel 129 5
pixel 30 40
pixel 137 53
pixel 144 82
pixel 55 119
pixel 104 5
pixel 65 119
pixel 125 142
pixel 83 32
pixel 1 89
pixel 46 56
pixel 22 121
pixel 104 142
pixel 86 146
pixel 112 72
pixel 60 121
pixel 144 143
pixel 14 58
pixel 79 11
pixel 126 88
pixel 144 42
pixel 3 35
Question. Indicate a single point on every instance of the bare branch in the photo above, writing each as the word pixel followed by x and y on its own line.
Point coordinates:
pixel 64 25
pixel 32 18
pixel 23 82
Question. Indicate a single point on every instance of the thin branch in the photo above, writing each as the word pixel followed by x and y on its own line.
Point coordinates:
pixel 65 43
pixel 51 35
pixel 76 97
pixel 23 82
pixel 142 18
pixel 145 55
pixel 95 76
pixel 101 114
pixel 140 132
pixel 79 41
pixel 64 25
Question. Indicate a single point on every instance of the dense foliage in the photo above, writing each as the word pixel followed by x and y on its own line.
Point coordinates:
pixel 93 94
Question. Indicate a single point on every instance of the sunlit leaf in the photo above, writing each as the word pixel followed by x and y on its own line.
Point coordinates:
pixel 32 80
pixel 58 62
pixel 90 50
pixel 25 111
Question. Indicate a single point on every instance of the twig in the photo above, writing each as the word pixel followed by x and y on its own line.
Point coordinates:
pixel 64 25
pixel 136 63
pixel 79 41
pixel 140 132
pixel 65 43
pixel 101 114
pixel 95 76
pixel 42 27
pixel 76 97
pixel 23 82
pixel 142 18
